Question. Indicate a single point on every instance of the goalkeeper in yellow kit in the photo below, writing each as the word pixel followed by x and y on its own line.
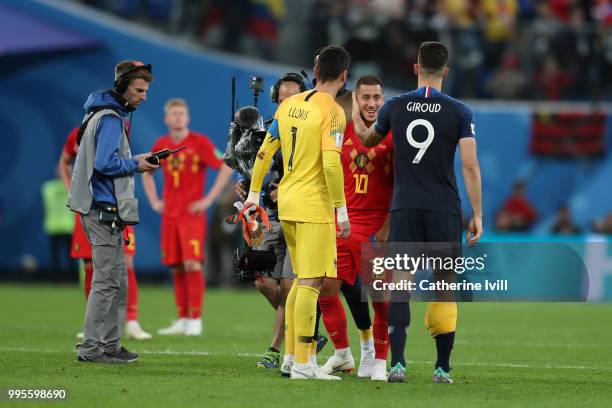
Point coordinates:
pixel 309 129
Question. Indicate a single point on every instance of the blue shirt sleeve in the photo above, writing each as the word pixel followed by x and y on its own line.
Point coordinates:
pixel 108 137
pixel 273 129
pixel 467 123
pixel 383 120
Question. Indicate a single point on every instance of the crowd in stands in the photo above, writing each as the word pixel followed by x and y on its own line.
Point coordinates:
pixel 517 214
pixel 503 49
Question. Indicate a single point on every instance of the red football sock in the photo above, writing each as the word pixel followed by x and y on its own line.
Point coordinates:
pixel 334 319
pixel 132 297
pixel 381 335
pixel 180 293
pixel 88 279
pixel 195 293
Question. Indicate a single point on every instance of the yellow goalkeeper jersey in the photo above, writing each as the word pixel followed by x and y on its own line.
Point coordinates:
pixel 305 125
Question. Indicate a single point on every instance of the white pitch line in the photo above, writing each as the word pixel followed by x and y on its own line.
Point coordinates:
pixel 212 353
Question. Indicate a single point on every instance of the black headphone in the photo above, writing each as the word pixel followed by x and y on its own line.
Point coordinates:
pixel 289 76
pixel 122 81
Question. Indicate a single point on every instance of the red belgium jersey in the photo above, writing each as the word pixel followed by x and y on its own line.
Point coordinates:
pixel 185 171
pixel 368 173
pixel 70 146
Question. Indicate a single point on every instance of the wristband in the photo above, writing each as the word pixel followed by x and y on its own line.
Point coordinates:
pixel 342 214
pixel 253 197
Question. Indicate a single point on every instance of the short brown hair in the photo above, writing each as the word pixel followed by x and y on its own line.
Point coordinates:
pixel 332 62
pixel 433 57
pixel 172 102
pixel 368 80
pixel 137 73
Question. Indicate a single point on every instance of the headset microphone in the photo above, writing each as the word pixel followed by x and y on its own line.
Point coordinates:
pixel 290 76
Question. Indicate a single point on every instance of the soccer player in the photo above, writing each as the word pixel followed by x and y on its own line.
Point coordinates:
pixel 426 206
pixel 276 286
pixel 80 248
pixel 309 129
pixel 183 211
pixel 368 186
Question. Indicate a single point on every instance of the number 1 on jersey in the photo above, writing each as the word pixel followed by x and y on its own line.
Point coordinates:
pixel 293 137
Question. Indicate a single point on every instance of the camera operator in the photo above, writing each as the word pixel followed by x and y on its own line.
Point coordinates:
pixel 276 285
pixel 102 191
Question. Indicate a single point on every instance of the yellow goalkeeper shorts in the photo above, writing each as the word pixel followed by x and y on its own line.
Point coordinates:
pixel 312 248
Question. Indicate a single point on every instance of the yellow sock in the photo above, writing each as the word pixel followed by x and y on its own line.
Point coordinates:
pixel 289 326
pixel 441 318
pixel 365 335
pixel 304 317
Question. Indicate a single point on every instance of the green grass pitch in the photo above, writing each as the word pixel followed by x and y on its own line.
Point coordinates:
pixel 512 354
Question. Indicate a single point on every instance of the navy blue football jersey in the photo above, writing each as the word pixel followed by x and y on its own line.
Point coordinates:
pixel 427 125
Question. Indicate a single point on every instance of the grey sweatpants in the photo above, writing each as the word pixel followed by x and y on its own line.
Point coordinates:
pixel 106 306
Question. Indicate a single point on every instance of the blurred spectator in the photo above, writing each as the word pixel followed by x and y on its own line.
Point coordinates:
pixel 604 224
pixel 552 81
pixel 324 14
pixel 564 225
pixel 503 221
pixel 604 61
pixel 396 67
pixel 265 18
pixel 602 12
pixel 499 19
pixel 508 81
pixel 58 225
pixel 517 213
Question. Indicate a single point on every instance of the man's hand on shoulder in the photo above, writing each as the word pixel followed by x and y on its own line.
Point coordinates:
pixel 143 164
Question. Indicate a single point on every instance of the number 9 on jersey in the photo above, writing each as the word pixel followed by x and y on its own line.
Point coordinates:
pixel 424 145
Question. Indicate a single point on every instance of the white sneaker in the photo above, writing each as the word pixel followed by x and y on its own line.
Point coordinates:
pixel 193 327
pixel 177 327
pixel 340 361
pixel 309 372
pixel 313 361
pixel 366 364
pixel 379 370
pixel 134 331
pixel 288 361
pixel 79 335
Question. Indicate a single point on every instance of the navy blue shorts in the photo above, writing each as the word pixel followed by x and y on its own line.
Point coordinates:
pixel 435 234
pixel 413 225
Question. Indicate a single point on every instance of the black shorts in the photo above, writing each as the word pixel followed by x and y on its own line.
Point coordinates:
pixel 434 233
pixel 413 225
